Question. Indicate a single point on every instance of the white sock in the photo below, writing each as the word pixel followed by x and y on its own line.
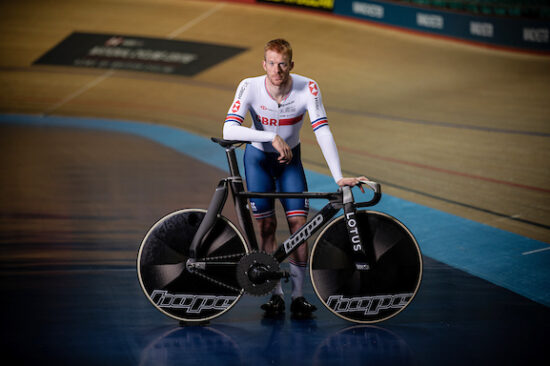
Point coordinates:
pixel 278 290
pixel 297 276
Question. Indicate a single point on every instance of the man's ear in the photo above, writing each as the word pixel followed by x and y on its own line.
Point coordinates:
pixel 263 65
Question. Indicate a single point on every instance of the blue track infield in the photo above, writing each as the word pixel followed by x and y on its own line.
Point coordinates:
pixel 517 263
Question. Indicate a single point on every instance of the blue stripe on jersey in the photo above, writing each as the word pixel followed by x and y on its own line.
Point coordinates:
pixel 318 123
pixel 234 118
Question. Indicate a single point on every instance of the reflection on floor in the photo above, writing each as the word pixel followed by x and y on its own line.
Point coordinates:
pixel 71 294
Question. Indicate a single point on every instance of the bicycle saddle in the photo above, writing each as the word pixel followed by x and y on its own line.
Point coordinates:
pixel 228 143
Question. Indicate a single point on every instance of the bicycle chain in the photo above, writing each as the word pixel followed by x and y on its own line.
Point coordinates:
pixel 221 257
pixel 214 260
pixel 219 283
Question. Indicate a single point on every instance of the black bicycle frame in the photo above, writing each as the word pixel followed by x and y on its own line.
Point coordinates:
pixel 337 200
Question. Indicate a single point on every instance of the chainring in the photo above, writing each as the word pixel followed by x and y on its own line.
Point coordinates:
pixel 260 259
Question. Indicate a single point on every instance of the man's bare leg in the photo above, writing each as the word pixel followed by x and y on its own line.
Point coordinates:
pixel 268 227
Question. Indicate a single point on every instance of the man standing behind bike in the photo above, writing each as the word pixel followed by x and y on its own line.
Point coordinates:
pixel 277 103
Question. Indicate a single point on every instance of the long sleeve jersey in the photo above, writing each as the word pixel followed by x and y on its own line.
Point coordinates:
pixel 270 118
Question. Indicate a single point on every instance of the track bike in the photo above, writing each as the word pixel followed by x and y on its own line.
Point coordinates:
pixel 194 265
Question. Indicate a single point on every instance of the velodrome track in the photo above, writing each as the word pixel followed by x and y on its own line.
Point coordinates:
pixel 457 134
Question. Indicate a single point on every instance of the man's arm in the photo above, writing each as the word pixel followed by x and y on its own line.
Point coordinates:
pixel 232 129
pixel 237 132
pixel 325 139
pixel 329 150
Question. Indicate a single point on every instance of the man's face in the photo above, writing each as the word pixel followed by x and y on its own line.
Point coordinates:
pixel 277 66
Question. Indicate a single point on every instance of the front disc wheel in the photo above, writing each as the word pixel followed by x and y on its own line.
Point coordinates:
pixel 376 294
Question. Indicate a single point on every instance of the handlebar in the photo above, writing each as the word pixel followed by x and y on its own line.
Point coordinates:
pixel 376 188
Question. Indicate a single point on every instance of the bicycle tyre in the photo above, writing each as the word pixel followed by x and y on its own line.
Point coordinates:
pixel 162 273
pixel 368 296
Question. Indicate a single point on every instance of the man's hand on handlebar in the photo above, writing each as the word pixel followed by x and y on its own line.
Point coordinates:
pixel 352 181
pixel 285 152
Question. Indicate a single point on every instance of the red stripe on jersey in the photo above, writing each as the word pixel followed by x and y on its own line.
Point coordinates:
pixel 290 121
pixel 318 124
pixel 234 118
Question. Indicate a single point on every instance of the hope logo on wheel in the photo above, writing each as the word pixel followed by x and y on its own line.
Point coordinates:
pixel 191 303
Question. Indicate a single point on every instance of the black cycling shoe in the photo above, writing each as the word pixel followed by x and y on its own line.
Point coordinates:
pixel 275 306
pixel 301 309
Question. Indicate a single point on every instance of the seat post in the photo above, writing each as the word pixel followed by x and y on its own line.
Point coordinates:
pixel 241 203
pixel 232 161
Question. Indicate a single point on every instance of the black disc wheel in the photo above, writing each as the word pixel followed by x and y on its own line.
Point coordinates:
pixel 190 296
pixel 376 294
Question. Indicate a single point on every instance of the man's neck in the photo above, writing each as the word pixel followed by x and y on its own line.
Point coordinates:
pixel 279 92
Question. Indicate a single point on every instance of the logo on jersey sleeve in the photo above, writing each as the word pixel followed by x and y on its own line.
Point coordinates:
pixel 236 106
pixel 313 88
pixel 242 89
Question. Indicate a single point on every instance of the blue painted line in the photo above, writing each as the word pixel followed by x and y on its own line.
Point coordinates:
pixel 481 250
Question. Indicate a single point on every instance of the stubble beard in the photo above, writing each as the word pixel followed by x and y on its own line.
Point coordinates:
pixel 280 82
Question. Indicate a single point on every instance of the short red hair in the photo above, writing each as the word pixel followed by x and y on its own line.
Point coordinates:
pixel 279 45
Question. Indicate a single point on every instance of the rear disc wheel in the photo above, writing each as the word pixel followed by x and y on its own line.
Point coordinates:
pixel 170 287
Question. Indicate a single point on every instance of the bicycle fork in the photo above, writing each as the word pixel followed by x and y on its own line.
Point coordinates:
pixel 363 255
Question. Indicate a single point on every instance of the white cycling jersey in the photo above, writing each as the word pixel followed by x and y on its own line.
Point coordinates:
pixel 270 118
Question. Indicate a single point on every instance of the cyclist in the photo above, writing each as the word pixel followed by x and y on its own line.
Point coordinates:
pixel 277 102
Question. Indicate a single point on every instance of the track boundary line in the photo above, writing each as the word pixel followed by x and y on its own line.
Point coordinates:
pixel 436 169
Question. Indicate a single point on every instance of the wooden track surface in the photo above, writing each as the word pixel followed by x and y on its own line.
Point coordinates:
pixel 459 128
pixel 67 191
